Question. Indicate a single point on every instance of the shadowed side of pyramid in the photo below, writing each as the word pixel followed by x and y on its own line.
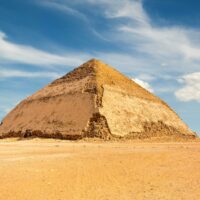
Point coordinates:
pixel 94 100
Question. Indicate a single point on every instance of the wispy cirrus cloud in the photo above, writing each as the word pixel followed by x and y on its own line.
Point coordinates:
pixel 13 53
pixel 164 43
pixel 153 50
pixel 63 8
pixel 10 73
pixel 67 8
pixel 123 8
pixel 177 47
pixel 16 53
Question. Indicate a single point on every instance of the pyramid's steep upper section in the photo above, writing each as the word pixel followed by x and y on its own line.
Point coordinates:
pixel 90 77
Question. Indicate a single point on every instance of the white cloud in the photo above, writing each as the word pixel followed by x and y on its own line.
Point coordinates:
pixel 144 84
pixel 67 9
pixel 163 42
pixel 6 73
pixel 116 8
pixel 129 9
pixel 191 90
pixel 152 51
pixel 16 53
pixel 163 48
pixel 64 8
pixel 157 49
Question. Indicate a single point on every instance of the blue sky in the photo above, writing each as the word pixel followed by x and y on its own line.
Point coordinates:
pixel 155 42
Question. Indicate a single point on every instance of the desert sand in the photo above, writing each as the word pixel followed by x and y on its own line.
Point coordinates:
pixel 58 170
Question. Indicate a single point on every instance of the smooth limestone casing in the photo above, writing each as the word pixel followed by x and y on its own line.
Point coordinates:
pixel 127 114
pixel 64 115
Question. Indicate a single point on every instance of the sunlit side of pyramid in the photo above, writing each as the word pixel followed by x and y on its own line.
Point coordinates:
pixel 94 100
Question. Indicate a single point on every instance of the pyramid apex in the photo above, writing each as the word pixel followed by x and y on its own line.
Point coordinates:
pixel 95 61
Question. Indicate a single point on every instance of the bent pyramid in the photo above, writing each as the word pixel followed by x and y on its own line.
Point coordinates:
pixel 94 100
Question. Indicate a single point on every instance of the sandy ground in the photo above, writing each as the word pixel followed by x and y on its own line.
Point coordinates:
pixel 62 170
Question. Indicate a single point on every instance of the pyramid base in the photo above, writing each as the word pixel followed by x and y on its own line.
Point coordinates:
pixel 97 128
pixel 159 130
pixel 40 134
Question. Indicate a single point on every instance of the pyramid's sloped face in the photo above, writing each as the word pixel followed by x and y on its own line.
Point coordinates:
pixel 139 118
pixel 61 109
pixel 130 110
pixel 93 100
pixel 80 80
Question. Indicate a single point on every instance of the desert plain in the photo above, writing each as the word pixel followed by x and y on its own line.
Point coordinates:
pixel 47 169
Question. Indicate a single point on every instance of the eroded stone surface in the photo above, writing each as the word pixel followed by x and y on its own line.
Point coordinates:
pixel 94 100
